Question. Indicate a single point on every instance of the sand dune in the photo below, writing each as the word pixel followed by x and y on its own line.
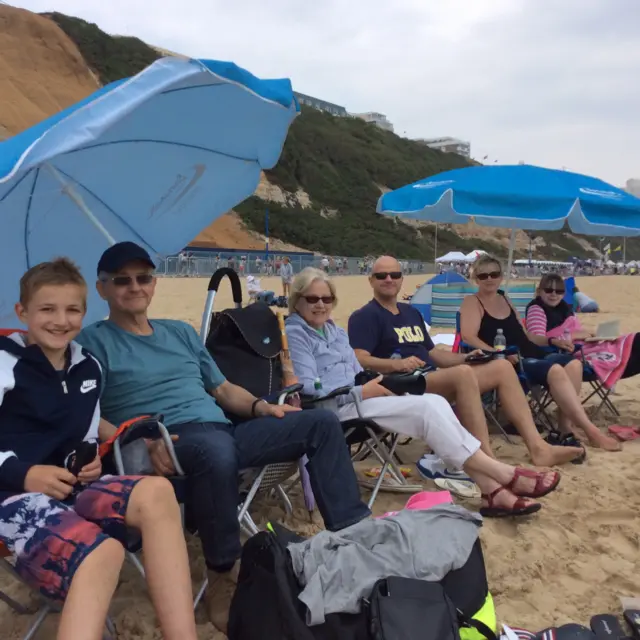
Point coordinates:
pixel 565 564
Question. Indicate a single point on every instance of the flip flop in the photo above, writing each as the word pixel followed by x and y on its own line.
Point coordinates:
pixel 624 433
pixel 607 627
pixel 391 487
pixel 520 507
pixel 460 488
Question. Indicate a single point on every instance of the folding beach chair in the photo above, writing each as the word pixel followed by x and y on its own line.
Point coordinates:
pixel 369 440
pixel 246 344
pixel 42 606
pixel 598 388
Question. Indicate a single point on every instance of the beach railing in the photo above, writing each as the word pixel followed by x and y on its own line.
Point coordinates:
pixel 199 266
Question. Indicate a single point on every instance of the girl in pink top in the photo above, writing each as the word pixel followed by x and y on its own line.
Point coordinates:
pixel 549 315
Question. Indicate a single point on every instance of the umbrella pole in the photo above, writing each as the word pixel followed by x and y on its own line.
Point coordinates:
pixel 68 190
pixel 512 244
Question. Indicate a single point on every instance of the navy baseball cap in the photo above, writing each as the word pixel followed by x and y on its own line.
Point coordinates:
pixel 122 253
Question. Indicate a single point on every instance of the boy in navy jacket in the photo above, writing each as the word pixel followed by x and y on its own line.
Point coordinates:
pixel 65 530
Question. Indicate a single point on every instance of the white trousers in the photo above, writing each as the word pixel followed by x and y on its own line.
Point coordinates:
pixel 428 417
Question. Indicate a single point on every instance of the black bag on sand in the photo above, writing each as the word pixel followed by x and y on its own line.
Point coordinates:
pixel 266 604
pixel 405 609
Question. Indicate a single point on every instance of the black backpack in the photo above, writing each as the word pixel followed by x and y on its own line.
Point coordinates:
pixel 245 342
pixel 266 604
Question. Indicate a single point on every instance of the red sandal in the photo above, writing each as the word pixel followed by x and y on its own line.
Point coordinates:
pixel 519 508
pixel 540 490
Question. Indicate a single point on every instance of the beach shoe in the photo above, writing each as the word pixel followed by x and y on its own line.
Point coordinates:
pixel 519 507
pixel 460 488
pixel 431 467
pixel 557 439
pixel 624 433
pixel 539 490
pixel 217 599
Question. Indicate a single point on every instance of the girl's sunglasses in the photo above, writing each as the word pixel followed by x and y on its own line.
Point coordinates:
pixel 494 275
pixel 382 275
pixel 316 299
pixel 551 290
pixel 125 281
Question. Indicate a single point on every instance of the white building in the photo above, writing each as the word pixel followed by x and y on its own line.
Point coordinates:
pixel 379 119
pixel 448 145
pixel 633 187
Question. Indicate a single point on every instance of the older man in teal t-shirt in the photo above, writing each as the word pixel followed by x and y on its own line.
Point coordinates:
pixel 160 366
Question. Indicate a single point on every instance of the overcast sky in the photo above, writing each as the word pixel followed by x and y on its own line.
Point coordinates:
pixel 549 82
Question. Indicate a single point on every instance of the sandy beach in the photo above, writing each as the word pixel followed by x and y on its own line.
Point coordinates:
pixel 570 561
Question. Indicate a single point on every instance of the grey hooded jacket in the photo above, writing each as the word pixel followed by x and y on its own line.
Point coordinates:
pixel 339 569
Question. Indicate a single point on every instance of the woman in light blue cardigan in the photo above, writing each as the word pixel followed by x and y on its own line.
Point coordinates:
pixel 324 361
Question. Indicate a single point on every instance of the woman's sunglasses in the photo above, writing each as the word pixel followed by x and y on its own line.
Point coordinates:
pixel 125 281
pixel 494 275
pixel 316 299
pixel 551 290
pixel 382 275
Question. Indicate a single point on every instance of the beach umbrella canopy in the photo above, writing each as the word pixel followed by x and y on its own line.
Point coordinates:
pixel 518 197
pixel 474 255
pixel 452 256
pixel 152 159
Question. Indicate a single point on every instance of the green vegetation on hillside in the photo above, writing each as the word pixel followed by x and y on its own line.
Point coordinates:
pixel 110 57
pixel 342 164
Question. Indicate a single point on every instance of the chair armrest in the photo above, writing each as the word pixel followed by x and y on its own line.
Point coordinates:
pixel 309 401
pixel 148 427
pixel 280 397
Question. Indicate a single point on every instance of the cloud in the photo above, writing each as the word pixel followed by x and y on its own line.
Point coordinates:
pixel 548 82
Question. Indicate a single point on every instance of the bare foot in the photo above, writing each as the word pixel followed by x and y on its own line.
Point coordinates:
pixel 602 441
pixel 549 456
pixel 533 484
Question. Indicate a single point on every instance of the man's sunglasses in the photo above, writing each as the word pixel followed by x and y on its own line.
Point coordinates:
pixel 494 275
pixel 550 291
pixel 382 275
pixel 316 299
pixel 125 281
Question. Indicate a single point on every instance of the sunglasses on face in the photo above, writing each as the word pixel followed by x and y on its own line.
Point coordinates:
pixel 125 281
pixel 494 275
pixel 551 291
pixel 316 299
pixel 382 275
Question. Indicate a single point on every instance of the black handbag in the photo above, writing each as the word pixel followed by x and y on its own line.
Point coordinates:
pixel 406 609
pixel 414 384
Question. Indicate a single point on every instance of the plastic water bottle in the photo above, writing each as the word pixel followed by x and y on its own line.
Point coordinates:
pixel 500 343
pixel 317 384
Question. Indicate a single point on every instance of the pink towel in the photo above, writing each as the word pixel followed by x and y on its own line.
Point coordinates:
pixel 424 500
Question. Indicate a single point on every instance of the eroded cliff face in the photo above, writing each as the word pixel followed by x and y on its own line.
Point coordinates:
pixel 41 70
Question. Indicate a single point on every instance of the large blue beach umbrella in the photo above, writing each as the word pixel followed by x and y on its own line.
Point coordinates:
pixel 153 159
pixel 518 197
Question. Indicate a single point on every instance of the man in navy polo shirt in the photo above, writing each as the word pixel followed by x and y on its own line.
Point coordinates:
pixel 391 337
